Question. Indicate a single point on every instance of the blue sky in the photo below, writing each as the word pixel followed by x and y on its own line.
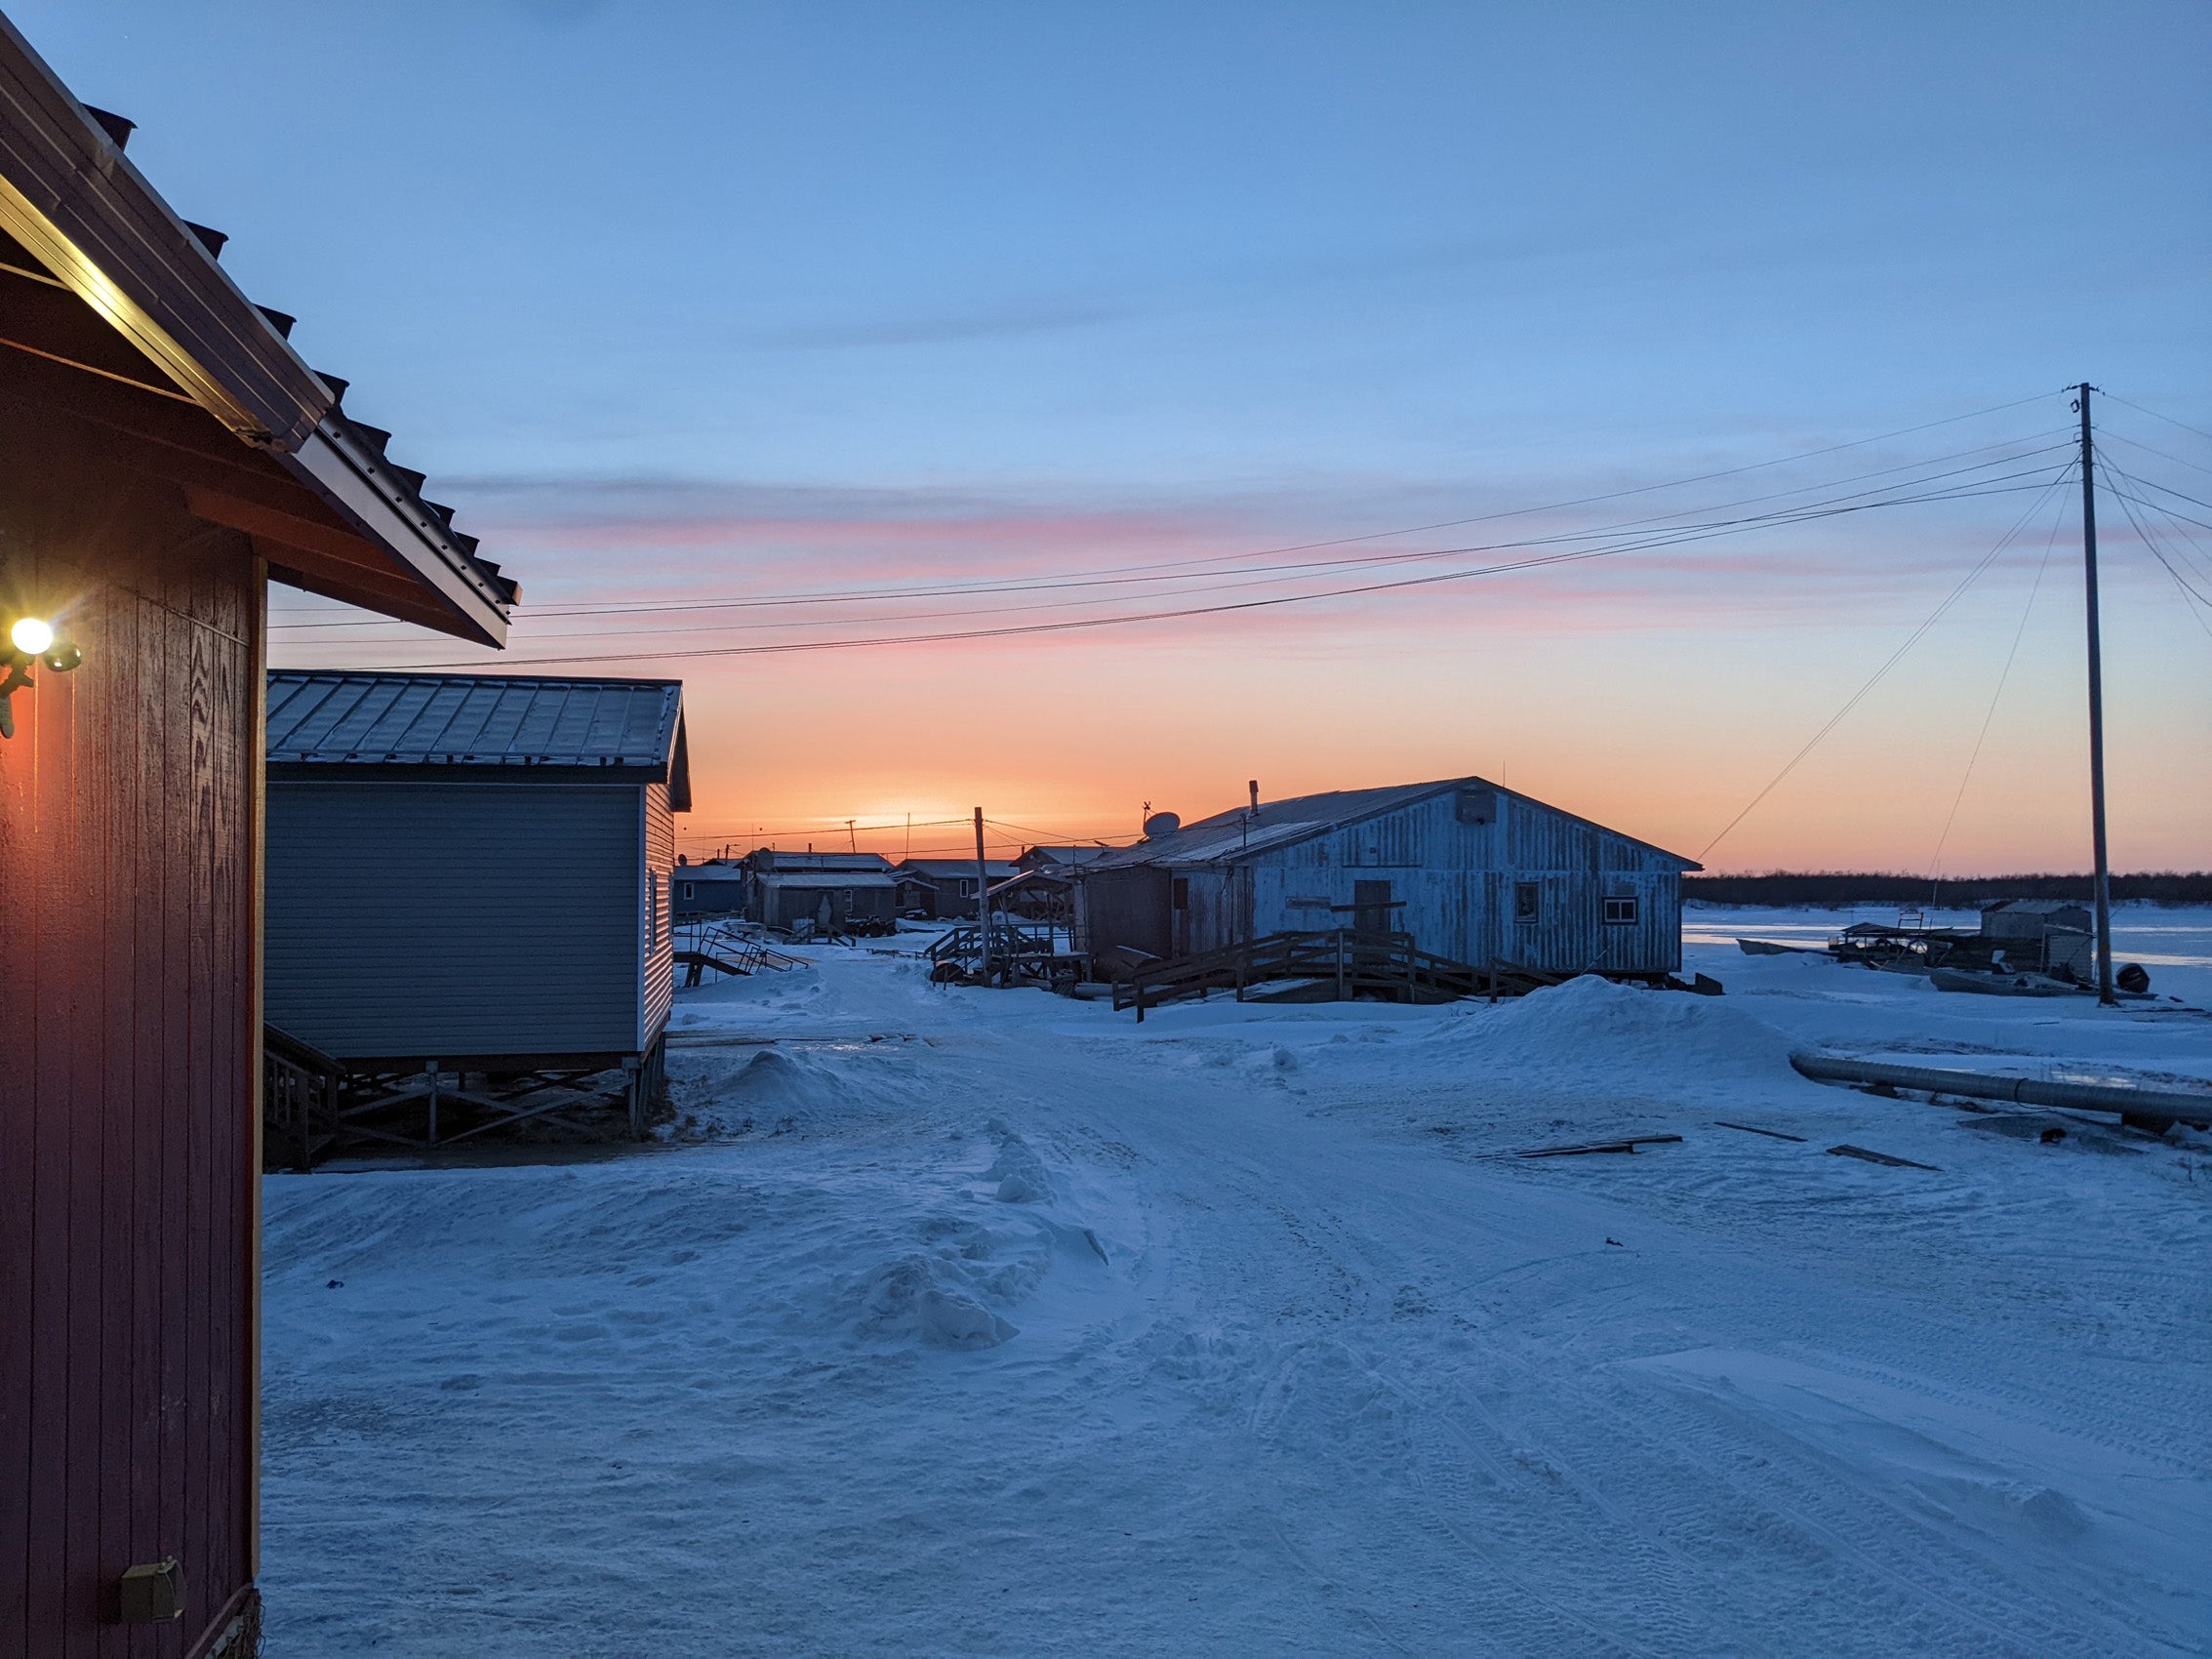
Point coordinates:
pixel 722 298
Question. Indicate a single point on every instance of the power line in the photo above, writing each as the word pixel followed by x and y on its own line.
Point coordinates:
pixel 1166 571
pixel 2191 599
pixel 1935 861
pixel 2181 518
pixel 2156 416
pixel 1894 658
pixel 1678 538
pixel 2106 433
pixel 2143 483
pixel 1421 555
pixel 2142 530
pixel 1061 837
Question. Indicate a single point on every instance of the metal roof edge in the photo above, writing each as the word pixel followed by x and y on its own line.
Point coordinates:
pixel 362 488
pixel 1415 792
pixel 679 761
pixel 84 211
pixel 294 768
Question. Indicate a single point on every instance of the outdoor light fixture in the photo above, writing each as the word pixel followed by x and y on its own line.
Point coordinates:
pixel 31 639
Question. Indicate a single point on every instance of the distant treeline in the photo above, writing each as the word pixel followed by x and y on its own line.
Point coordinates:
pixel 1835 888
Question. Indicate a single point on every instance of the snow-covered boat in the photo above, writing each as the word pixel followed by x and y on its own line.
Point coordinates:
pixel 2007 984
pixel 1767 948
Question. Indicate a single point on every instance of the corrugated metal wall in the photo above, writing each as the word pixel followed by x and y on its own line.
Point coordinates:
pixel 1456 882
pixel 444 919
pixel 1126 907
pixel 129 1159
pixel 658 944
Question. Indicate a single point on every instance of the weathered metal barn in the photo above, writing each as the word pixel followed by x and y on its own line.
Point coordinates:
pixel 472 869
pixel 1475 872
pixel 167 455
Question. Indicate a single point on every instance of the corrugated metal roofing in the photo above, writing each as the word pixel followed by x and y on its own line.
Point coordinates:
pixel 376 719
pixel 768 858
pixel 1228 835
pixel 997 867
pixel 1086 853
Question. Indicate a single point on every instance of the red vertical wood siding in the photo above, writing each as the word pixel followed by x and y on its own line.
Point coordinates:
pixel 128 1049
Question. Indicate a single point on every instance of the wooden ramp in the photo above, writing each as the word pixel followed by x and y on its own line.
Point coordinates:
pixel 1333 964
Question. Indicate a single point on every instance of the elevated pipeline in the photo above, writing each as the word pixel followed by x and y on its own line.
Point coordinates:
pixel 2147 1108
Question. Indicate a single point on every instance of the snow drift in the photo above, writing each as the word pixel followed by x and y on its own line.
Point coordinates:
pixel 1592 1030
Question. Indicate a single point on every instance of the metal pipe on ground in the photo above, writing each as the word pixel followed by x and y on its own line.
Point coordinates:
pixel 2148 1108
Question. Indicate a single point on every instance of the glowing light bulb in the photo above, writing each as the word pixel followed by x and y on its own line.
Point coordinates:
pixel 31 636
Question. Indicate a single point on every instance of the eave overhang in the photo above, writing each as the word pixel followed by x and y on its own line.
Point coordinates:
pixel 79 207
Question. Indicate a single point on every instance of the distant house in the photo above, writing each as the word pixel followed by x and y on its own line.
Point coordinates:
pixel 1472 871
pixel 1060 858
pixel 946 889
pixel 828 892
pixel 715 888
pixel 472 869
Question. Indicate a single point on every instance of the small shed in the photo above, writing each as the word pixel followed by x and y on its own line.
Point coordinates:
pixel 715 888
pixel 1473 871
pixel 472 869
pixel 946 889
pixel 828 892
pixel 2030 920
pixel 2053 936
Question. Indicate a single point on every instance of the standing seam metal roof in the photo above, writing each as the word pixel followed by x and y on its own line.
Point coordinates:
pixel 372 719
pixel 1228 835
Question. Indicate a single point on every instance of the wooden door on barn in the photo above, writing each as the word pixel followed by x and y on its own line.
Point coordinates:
pixel 1371 908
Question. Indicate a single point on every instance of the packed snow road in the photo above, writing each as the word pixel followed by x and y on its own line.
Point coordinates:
pixel 974 1323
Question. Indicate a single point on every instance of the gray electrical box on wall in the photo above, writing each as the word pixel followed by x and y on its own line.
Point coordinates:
pixel 153 1594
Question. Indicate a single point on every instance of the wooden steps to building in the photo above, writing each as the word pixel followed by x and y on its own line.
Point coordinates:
pixel 1333 964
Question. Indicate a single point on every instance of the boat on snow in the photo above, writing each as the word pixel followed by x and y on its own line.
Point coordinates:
pixel 2007 984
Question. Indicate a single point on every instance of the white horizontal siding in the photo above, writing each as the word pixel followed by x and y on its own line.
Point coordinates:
pixel 439 920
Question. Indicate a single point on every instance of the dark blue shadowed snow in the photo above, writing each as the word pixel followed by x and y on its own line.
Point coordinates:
pixel 961 1322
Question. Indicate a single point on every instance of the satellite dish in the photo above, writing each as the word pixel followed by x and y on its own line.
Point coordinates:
pixel 1161 823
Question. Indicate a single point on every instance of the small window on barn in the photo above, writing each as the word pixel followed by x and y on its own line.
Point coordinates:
pixel 1622 912
pixel 1180 898
pixel 687 890
pixel 1528 901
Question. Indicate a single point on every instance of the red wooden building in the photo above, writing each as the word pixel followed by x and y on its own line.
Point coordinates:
pixel 164 455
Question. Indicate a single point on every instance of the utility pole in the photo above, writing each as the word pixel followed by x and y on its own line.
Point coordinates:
pixel 852 840
pixel 2096 707
pixel 983 896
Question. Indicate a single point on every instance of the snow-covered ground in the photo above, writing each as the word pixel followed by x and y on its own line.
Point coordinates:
pixel 965 1323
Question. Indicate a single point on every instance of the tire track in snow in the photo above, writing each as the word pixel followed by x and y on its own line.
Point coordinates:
pixel 1898 1557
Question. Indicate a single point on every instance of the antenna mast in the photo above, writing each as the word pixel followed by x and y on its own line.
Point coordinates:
pixel 2096 707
